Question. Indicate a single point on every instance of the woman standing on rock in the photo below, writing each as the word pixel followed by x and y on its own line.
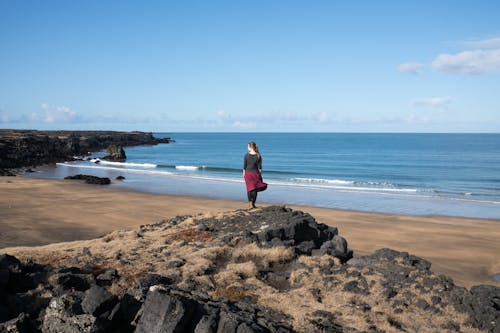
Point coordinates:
pixel 252 172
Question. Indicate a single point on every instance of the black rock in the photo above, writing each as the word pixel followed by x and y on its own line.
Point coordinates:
pixel 80 282
pixel 127 312
pixel 4 277
pixel 394 323
pixel 12 264
pixel 107 278
pixel 120 178
pixel 483 304
pixel 207 324
pixel 21 324
pixel 86 251
pixel 305 247
pixel 202 227
pixel 280 226
pixel 150 280
pixel 98 300
pixel 115 153
pixel 7 173
pixel 357 287
pixel 91 179
pixel 163 313
pixel 389 292
pixel 227 323
pixel 422 304
pixel 64 314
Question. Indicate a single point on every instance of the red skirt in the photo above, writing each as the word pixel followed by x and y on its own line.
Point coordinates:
pixel 253 180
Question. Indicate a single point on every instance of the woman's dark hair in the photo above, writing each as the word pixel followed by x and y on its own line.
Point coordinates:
pixel 254 146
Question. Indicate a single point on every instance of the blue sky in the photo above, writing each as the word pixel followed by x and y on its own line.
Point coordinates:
pixel 328 66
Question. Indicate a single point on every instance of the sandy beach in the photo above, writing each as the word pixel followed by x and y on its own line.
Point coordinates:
pixel 37 212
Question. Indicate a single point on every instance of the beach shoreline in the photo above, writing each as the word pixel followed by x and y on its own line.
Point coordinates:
pixel 36 212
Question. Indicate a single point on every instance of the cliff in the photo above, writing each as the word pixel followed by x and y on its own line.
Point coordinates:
pixel 26 148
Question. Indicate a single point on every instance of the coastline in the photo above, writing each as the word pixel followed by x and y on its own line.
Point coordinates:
pixel 37 212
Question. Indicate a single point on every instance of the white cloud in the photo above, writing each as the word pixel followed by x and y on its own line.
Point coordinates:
pixel 241 124
pixel 322 117
pixel 482 43
pixel 410 67
pixel 221 114
pixel 469 62
pixel 55 114
pixel 437 103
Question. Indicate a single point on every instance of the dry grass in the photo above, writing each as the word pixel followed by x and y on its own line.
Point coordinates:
pixel 231 293
pixel 244 270
pixel 264 257
pixel 190 235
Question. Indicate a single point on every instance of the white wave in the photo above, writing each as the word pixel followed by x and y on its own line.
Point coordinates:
pixel 346 188
pixel 324 181
pixel 142 165
pixel 343 185
pixel 187 167
pixel 83 166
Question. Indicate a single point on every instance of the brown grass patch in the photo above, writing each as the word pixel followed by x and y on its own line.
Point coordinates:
pixel 233 293
pixel 263 256
pixel 190 235
pixel 244 270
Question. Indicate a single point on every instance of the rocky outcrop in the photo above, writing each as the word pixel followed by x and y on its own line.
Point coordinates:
pixel 274 226
pixel 115 153
pixel 269 270
pixel 91 179
pixel 40 298
pixel 23 148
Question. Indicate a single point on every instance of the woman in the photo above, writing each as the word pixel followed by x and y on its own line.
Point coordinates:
pixel 252 169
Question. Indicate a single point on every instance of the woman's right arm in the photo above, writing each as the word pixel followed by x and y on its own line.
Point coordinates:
pixel 244 165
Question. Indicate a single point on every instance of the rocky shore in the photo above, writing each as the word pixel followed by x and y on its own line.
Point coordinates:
pixel 28 148
pixel 265 270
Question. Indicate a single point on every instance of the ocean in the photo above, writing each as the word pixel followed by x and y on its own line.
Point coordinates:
pixel 419 174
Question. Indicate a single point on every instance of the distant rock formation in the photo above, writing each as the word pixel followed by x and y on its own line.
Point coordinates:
pixel 269 270
pixel 115 153
pixel 27 148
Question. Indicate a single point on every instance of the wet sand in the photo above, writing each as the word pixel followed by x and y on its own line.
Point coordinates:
pixel 37 212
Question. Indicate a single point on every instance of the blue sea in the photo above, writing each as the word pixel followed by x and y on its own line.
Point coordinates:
pixel 419 174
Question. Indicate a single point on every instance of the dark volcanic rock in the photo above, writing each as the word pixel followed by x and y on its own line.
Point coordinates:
pixel 80 282
pixel 7 172
pixel 64 314
pixel 115 153
pixel 91 179
pixel 164 313
pixel 25 148
pixel 107 278
pixel 173 310
pixel 98 300
pixel 401 271
pixel 276 225
pixel 482 303
pixel 21 324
